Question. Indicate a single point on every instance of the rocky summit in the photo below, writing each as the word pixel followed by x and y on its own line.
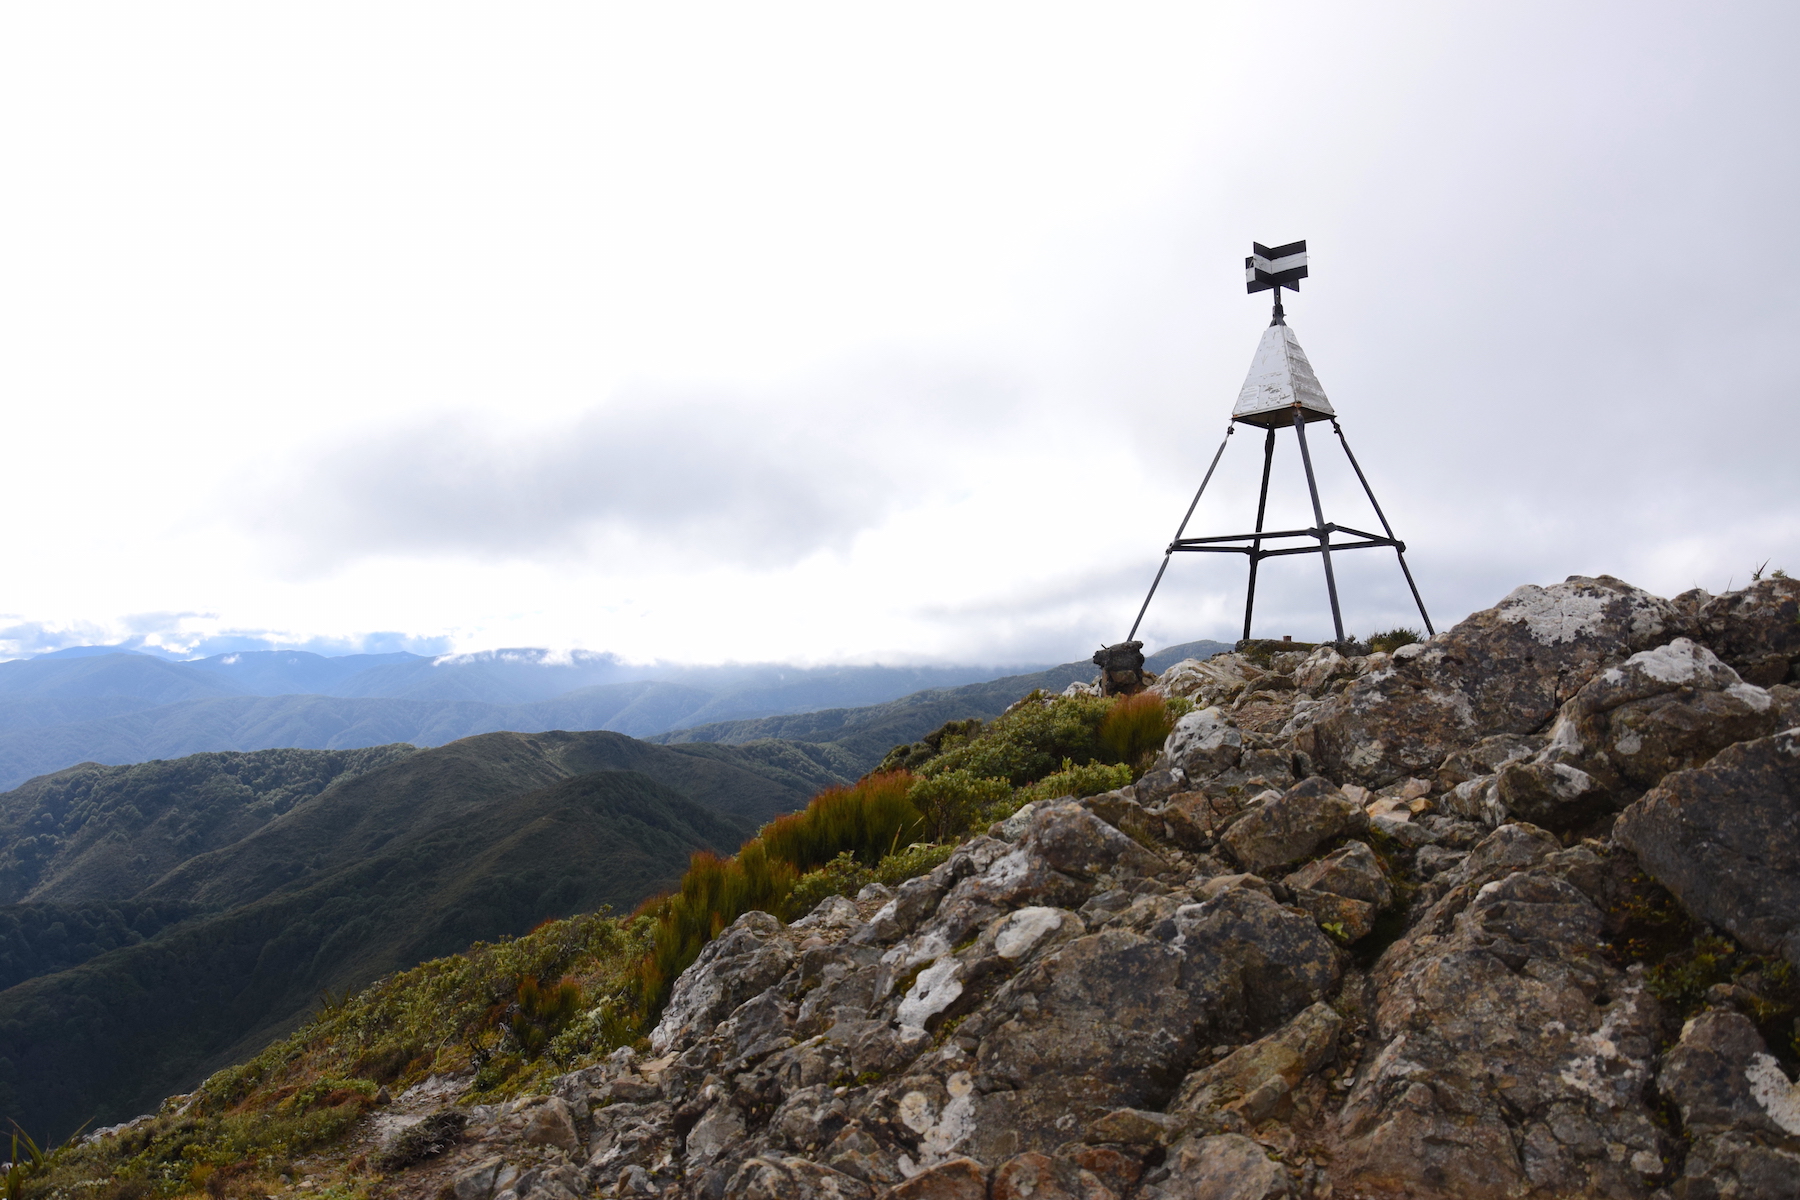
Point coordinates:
pixel 1371 925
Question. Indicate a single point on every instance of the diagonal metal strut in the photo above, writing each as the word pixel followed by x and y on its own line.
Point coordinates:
pixel 1182 528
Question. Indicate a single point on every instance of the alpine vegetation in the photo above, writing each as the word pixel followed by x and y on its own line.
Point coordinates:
pixel 1512 910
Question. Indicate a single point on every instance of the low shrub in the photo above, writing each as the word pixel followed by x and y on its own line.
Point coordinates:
pixel 1029 740
pixel 1089 780
pixel 913 755
pixel 954 802
pixel 387 1064
pixel 917 859
pixel 439 1016
pixel 1393 639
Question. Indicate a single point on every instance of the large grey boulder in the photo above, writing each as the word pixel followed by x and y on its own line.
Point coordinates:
pixel 745 959
pixel 628 1135
pixel 1725 838
pixel 1391 723
pixel 1353 871
pixel 1202 744
pixel 1504 670
pixel 1321 668
pixel 1258 1081
pixel 1511 1056
pixel 1520 660
pixel 1208 682
pixel 552 1123
pixel 1112 1020
pixel 1070 838
pixel 1756 629
pixel 1738 1106
pixel 1288 827
pixel 1661 710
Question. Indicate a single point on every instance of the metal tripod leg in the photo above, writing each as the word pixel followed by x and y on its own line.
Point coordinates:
pixel 1262 507
pixel 1386 528
pixel 1337 618
pixel 1217 455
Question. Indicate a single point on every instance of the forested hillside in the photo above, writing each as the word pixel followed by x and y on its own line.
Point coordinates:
pixel 106 833
pixel 109 707
pixel 382 867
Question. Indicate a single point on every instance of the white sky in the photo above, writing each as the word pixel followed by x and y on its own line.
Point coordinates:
pixel 848 332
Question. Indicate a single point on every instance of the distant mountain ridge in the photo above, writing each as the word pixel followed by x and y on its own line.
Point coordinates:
pixel 858 738
pixel 512 676
pixel 110 707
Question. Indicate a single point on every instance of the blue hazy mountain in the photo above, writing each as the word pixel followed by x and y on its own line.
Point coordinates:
pixel 292 672
pixel 115 674
pixel 123 707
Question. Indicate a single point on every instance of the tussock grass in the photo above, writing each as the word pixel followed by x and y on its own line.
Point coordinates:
pixel 1135 728
pixel 867 820
pixel 870 820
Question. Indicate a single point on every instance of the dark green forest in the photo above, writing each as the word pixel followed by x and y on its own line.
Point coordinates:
pixel 383 867
pixel 37 939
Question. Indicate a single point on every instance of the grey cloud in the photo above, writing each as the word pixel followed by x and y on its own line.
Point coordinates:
pixel 706 478
pixel 164 635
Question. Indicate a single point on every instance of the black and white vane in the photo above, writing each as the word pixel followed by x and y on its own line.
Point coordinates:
pixel 1275 267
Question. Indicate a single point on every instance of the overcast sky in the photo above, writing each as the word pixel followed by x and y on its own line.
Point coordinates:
pixel 872 333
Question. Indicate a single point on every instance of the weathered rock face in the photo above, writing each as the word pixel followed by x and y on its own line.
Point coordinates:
pixel 1725 838
pixel 1202 744
pixel 1392 723
pixel 1109 1021
pixel 1260 1080
pixel 1756 630
pixel 1353 872
pixel 1320 669
pixel 1210 682
pixel 1504 670
pixel 1661 710
pixel 1142 995
pixel 1512 1056
pixel 964 1036
pixel 1518 661
pixel 733 967
pixel 1738 1106
pixel 1283 829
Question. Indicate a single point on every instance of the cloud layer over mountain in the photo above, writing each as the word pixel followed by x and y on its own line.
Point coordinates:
pixel 843 335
